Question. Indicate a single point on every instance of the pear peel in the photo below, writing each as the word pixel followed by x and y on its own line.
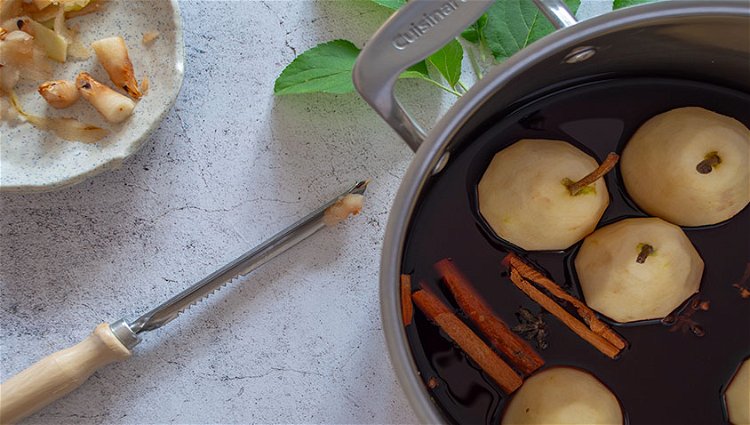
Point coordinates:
pixel 618 285
pixel 689 166
pixel 523 198
pixel 563 395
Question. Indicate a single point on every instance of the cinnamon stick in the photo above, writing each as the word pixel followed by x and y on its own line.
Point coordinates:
pixel 492 327
pixel 407 309
pixel 468 341
pixel 594 323
pixel 571 322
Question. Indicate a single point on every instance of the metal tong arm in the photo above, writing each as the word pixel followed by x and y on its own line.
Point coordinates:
pixel 244 264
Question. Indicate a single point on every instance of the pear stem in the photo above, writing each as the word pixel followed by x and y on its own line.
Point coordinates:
pixel 646 250
pixel 606 166
pixel 708 164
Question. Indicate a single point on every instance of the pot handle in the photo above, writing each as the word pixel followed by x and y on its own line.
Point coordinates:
pixel 417 30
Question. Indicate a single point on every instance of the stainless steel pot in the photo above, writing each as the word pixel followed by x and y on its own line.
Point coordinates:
pixel 700 40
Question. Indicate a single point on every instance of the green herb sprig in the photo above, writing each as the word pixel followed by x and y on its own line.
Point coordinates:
pixel 507 27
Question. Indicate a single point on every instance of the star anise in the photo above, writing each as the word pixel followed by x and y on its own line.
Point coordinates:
pixel 684 321
pixel 532 327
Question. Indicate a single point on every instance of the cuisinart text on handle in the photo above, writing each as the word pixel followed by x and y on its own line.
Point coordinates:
pixel 429 20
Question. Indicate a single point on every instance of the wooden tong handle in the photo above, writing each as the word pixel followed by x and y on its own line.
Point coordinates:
pixel 58 374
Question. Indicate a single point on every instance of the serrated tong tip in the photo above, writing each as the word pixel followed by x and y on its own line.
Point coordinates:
pixel 281 242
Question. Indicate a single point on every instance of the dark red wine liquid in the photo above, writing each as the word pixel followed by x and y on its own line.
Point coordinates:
pixel 664 376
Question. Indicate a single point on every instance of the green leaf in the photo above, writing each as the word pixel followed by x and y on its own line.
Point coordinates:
pixel 473 34
pixel 514 24
pixel 326 68
pixel 419 70
pixel 448 61
pixel 391 4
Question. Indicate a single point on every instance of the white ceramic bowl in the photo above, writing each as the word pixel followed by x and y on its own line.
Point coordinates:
pixel 32 160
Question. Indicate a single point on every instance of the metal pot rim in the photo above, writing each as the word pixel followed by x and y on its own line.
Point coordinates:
pixel 429 154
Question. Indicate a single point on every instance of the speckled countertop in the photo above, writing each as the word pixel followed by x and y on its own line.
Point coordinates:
pixel 300 339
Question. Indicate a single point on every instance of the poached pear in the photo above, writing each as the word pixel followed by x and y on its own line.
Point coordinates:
pixel 689 166
pixel 638 269
pixel 737 395
pixel 563 395
pixel 533 194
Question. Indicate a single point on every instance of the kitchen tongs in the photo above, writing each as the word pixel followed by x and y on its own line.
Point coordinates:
pixel 60 373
